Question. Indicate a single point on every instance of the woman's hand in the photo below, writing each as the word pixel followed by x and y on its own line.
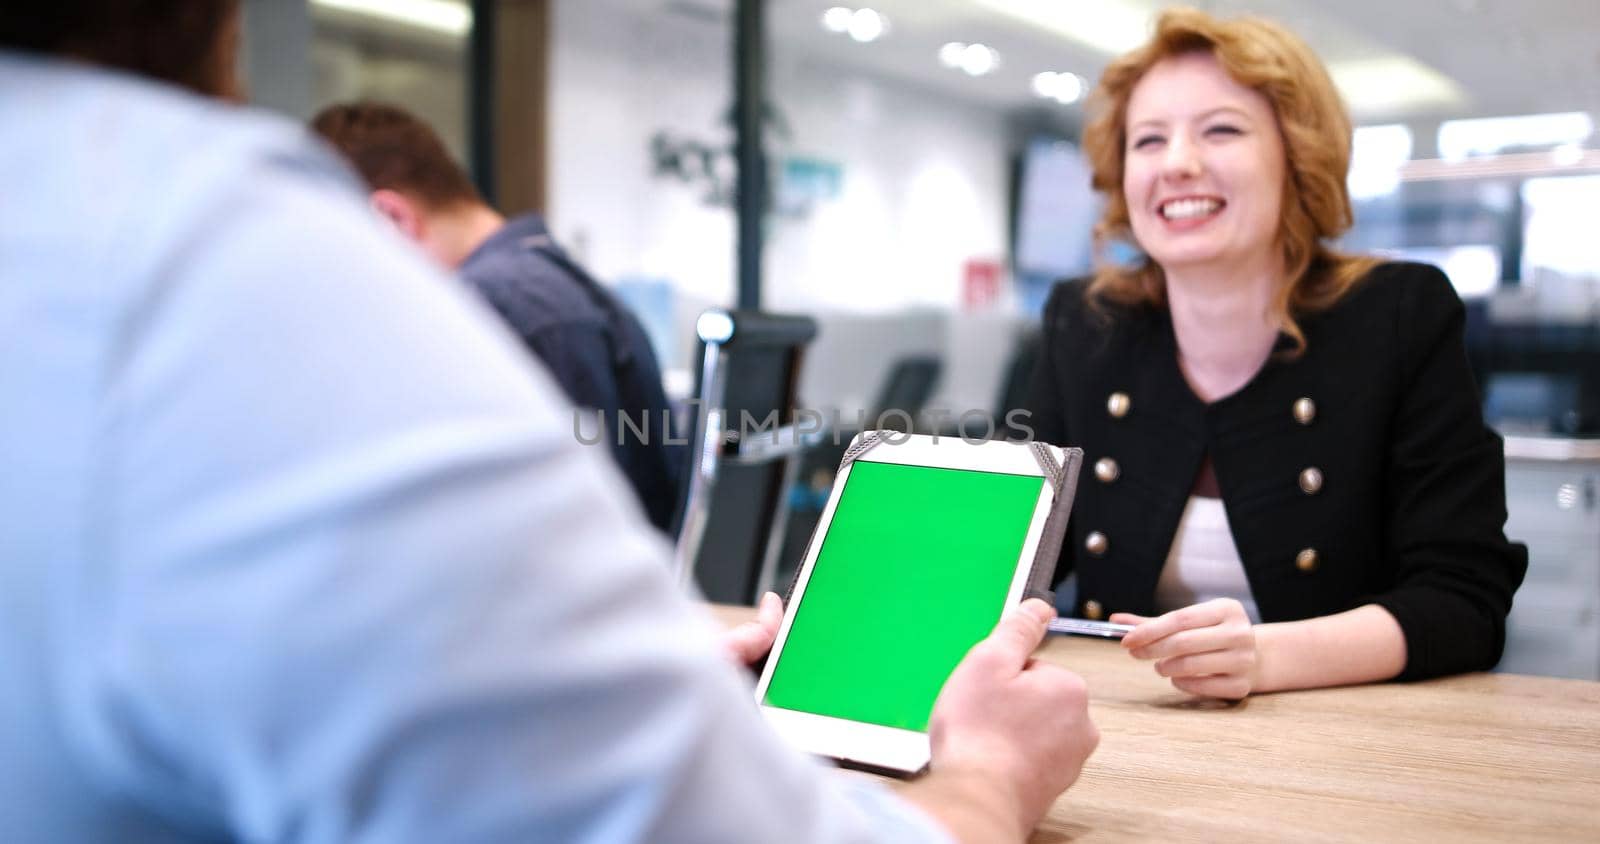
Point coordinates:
pixel 1207 649
pixel 748 643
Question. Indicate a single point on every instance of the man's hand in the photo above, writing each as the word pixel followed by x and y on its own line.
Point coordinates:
pixel 1207 649
pixel 1009 734
pixel 750 641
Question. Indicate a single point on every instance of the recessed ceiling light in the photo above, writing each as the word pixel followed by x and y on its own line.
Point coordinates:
pixel 979 59
pixel 867 25
pixel 837 19
pixel 950 54
pixel 1063 87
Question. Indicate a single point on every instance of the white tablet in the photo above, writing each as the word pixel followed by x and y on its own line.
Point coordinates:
pixel 922 546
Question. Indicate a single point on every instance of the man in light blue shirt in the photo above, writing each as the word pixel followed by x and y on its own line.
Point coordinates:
pixel 295 544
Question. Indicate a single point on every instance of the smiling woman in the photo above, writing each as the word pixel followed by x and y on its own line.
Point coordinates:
pixel 1293 484
pixel 1280 94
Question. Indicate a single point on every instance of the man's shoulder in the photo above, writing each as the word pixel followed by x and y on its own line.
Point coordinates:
pixel 530 288
pixel 146 171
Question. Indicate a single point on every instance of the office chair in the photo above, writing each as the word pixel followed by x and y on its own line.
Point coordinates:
pixel 907 387
pixel 1017 381
pixel 745 450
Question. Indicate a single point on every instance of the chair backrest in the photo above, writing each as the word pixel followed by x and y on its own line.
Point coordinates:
pixel 911 381
pixel 1018 379
pixel 736 501
pixel 907 388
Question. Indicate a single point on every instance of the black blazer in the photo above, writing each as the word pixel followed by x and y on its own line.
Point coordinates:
pixel 1409 509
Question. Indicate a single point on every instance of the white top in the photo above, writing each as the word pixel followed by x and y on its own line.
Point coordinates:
pixel 296 543
pixel 1204 563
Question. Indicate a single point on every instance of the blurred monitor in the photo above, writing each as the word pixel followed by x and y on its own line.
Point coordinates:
pixel 1534 403
pixel 1056 213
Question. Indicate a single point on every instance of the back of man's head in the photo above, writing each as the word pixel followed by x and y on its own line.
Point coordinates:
pixel 394 150
pixel 192 43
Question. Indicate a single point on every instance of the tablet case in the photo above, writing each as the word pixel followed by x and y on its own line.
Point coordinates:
pixel 1062 477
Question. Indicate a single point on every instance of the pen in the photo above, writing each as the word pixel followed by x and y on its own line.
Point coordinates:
pixel 1084 627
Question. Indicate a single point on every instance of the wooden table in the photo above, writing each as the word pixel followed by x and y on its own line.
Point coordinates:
pixel 1479 757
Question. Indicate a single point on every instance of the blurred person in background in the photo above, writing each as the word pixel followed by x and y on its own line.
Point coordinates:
pixel 296 543
pixel 589 340
pixel 1293 485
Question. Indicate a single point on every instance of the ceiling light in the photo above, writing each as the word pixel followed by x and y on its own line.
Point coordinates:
pixel 450 17
pixel 1063 87
pixel 867 25
pixel 837 19
pixel 979 59
pixel 950 54
pixel 1393 84
pixel 1114 26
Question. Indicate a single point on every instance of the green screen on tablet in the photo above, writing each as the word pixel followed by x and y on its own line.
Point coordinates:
pixel 913 571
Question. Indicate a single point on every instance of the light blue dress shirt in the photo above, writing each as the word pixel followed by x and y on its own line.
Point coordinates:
pixel 295 544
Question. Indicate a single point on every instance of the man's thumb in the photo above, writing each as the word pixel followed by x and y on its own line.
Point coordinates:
pixel 1021 630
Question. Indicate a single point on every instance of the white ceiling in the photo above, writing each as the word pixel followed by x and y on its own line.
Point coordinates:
pixel 1505 56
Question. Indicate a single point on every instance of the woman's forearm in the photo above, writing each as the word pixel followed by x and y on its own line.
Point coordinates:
pixel 1363 645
